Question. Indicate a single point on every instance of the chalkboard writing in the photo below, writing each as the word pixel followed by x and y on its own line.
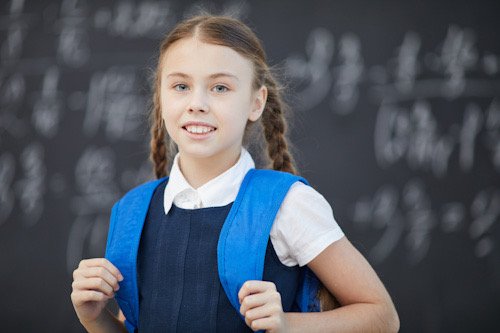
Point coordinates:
pixel 396 121
pixel 406 129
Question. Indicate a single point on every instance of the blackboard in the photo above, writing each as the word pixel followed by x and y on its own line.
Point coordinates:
pixel 396 121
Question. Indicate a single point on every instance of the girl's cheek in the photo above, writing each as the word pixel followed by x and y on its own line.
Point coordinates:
pixel 174 105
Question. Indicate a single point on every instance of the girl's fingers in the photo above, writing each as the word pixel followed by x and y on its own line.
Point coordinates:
pixel 99 272
pixel 254 286
pixel 261 305
pixel 252 301
pixel 269 324
pixel 96 284
pixel 264 311
pixel 98 267
pixel 102 262
pixel 269 297
pixel 83 296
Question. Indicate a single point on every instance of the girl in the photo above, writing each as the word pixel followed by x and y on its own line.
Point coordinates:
pixel 212 85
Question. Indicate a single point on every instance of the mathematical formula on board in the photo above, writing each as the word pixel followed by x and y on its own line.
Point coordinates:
pixel 103 95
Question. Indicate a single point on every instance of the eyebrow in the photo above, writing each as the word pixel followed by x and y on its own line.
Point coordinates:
pixel 211 76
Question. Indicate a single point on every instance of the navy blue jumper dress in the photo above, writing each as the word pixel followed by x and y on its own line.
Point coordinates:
pixel 178 281
pixel 179 270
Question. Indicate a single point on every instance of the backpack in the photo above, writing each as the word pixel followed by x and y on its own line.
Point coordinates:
pixel 241 247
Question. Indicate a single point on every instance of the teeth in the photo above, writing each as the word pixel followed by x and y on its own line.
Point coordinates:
pixel 199 129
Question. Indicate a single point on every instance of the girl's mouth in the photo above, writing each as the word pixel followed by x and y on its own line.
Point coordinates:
pixel 199 129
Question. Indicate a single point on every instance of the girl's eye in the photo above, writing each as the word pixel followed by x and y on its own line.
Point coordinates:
pixel 220 88
pixel 180 87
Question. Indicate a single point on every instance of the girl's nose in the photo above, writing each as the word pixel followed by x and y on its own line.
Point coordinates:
pixel 198 102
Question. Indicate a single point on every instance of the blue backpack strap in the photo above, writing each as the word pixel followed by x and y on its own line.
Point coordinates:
pixel 127 219
pixel 244 236
pixel 307 297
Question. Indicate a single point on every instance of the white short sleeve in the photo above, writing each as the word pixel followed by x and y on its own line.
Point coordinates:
pixel 304 226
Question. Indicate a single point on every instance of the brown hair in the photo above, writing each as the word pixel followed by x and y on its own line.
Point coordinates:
pixel 230 32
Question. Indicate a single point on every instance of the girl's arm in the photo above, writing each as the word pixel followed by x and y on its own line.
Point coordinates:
pixel 366 305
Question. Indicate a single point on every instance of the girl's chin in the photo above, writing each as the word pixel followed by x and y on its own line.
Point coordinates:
pixel 204 154
pixel 197 154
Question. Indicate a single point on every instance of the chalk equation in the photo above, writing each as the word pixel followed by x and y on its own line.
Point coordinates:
pixel 339 83
pixel 95 180
pixel 23 183
pixel 337 72
pixel 115 103
pixel 148 19
pixel 408 216
pixel 413 134
pixel 99 183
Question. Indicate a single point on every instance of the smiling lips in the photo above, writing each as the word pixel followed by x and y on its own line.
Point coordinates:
pixel 198 128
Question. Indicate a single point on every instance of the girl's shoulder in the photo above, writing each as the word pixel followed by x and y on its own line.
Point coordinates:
pixel 304 195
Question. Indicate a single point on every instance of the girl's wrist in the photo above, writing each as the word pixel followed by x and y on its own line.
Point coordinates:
pixel 288 326
pixel 101 321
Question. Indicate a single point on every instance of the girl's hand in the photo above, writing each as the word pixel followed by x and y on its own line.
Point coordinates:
pixel 261 306
pixel 94 283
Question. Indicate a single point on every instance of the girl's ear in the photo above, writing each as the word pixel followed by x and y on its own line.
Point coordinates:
pixel 259 103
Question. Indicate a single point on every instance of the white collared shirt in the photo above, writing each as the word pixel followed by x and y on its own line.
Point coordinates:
pixel 304 225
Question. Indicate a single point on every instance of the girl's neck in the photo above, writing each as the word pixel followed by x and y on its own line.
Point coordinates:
pixel 199 171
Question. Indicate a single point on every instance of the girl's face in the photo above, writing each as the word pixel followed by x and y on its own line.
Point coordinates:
pixel 207 98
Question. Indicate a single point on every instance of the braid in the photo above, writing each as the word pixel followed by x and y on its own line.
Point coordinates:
pixel 274 125
pixel 158 145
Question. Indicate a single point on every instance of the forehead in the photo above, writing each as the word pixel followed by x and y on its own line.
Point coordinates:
pixel 196 58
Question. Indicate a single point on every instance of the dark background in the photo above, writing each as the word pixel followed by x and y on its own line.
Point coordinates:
pixel 396 121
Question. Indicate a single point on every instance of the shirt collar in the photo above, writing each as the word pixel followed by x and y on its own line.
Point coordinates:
pixel 218 191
